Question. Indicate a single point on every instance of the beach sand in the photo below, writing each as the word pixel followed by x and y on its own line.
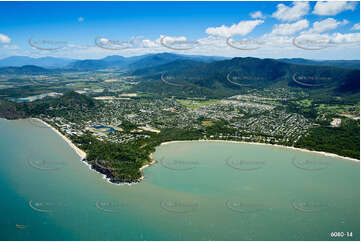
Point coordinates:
pixel 275 145
pixel 82 154
pixel 79 152
pixel 147 165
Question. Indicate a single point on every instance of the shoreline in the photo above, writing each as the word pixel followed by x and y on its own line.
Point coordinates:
pixel 82 154
pixel 275 145
pixel 153 161
pixel 78 151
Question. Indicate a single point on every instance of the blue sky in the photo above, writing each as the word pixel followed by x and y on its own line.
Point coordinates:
pixel 259 29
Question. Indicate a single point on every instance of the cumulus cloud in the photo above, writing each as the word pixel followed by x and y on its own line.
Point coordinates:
pixel 326 25
pixel 257 14
pixel 4 39
pixel 147 43
pixel 289 29
pixel 349 38
pixel 356 27
pixel 292 13
pixel 242 28
pixel 332 8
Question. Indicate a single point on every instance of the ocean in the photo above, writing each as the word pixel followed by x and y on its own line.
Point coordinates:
pixel 195 191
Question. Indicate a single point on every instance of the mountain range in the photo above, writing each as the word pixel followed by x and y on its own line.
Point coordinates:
pixel 351 64
pixel 45 62
pixel 230 77
pixel 113 61
pixel 191 75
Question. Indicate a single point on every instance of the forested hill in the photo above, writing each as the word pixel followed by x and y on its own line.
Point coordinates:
pixel 70 101
pixel 349 64
pixel 232 76
pixel 27 69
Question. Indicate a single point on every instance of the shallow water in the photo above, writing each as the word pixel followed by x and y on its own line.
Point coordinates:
pixel 196 191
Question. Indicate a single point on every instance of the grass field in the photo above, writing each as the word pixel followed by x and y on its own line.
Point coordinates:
pixel 193 104
pixel 207 123
pixel 304 103
pixel 337 108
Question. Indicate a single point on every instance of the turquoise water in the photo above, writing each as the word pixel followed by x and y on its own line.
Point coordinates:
pixel 196 191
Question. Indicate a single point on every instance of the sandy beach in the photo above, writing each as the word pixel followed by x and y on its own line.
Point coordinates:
pixel 147 165
pixel 274 145
pixel 80 152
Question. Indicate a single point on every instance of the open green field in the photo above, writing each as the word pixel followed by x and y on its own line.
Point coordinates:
pixel 192 104
pixel 304 102
pixel 338 108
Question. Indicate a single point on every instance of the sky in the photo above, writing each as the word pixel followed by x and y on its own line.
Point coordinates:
pixel 93 30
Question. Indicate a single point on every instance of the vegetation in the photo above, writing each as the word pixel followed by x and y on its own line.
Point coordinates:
pixel 192 104
pixel 270 107
pixel 344 141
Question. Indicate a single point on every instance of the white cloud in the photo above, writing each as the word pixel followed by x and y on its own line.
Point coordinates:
pixel 212 41
pixel 80 19
pixel 289 29
pixel 335 40
pixel 326 25
pixel 4 39
pixel 349 38
pixel 257 14
pixel 356 27
pixel 332 8
pixel 293 13
pixel 242 28
pixel 147 43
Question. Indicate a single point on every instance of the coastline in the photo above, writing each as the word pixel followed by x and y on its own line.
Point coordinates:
pixel 78 151
pixel 82 154
pixel 275 145
pixel 147 165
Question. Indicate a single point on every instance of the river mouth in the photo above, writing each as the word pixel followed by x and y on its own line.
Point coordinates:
pixel 196 191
